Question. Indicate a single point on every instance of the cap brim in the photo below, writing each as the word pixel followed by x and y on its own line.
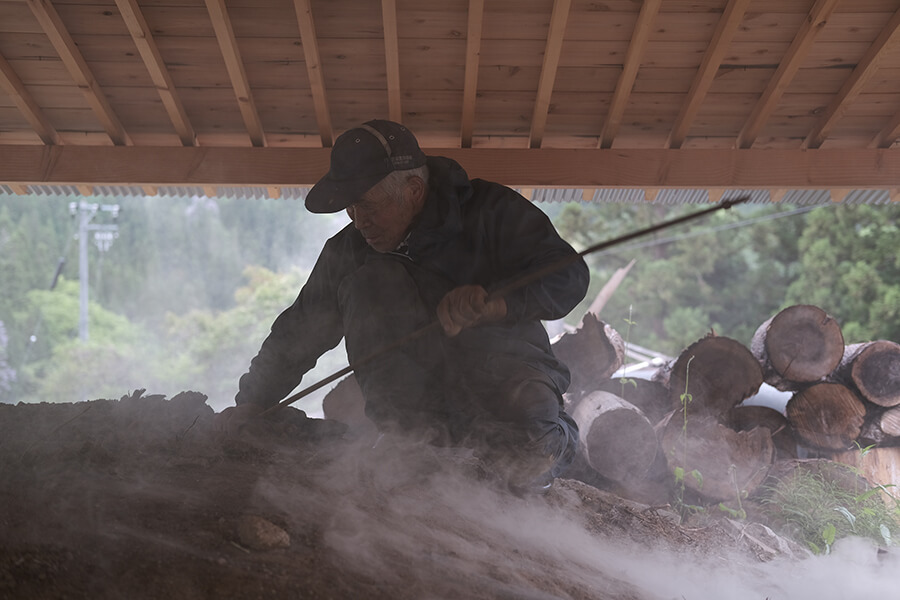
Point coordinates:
pixel 331 196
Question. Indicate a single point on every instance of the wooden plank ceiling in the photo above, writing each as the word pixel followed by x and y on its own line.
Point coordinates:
pixel 652 94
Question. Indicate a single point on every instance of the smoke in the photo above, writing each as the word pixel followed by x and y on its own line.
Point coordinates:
pixel 433 522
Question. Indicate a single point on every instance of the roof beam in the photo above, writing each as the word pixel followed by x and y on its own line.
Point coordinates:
pixel 865 68
pixel 10 82
pixel 731 18
pixel 632 63
pixel 159 74
pixel 887 136
pixel 78 69
pixel 813 25
pixel 314 70
pixel 519 167
pixel 552 50
pixel 391 58
pixel 221 23
pixel 470 84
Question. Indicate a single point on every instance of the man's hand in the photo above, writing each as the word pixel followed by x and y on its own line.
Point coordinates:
pixel 231 419
pixel 466 306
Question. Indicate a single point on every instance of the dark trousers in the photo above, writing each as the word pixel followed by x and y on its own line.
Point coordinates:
pixel 454 391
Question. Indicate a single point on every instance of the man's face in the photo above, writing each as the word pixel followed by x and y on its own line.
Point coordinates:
pixel 383 219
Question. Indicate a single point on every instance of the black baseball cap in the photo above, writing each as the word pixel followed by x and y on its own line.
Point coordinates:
pixel 362 157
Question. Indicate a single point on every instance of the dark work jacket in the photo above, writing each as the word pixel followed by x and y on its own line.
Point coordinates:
pixel 469 232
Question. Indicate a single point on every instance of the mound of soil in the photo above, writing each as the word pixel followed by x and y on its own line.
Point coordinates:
pixel 141 498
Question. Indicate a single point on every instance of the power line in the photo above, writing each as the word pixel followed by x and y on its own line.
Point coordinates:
pixel 691 234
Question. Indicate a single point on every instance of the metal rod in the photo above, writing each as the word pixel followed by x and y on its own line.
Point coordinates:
pixel 505 290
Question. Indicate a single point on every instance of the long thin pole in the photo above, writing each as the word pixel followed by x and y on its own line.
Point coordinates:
pixel 512 286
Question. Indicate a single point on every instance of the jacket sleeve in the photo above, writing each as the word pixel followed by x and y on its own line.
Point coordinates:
pixel 300 335
pixel 523 242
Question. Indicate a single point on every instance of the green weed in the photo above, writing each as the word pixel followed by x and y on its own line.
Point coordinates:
pixel 818 510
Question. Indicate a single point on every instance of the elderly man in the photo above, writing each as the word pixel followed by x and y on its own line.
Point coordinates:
pixel 427 243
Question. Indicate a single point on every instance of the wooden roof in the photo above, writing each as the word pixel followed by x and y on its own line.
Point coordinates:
pixel 653 94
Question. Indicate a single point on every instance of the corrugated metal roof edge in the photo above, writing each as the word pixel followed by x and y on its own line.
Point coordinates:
pixel 629 195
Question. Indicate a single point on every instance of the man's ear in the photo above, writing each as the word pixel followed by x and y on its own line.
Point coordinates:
pixel 415 188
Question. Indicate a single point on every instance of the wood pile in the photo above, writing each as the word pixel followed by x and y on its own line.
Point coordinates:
pixel 687 424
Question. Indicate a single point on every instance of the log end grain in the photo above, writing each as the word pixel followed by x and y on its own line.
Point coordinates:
pixel 717 373
pixel 829 416
pixel 876 373
pixel 803 343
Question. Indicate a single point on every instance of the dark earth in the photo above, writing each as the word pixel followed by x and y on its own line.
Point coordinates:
pixel 141 498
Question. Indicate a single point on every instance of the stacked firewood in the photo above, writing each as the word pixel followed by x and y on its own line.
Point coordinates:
pixel 690 416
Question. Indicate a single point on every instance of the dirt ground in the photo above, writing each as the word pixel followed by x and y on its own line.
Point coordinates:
pixel 140 498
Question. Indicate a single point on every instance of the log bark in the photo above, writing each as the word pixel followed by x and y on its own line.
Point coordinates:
pixel 728 462
pixel 874 369
pixel 651 397
pixel 800 345
pixel 617 439
pixel 717 373
pixel 746 418
pixel 593 352
pixel 828 416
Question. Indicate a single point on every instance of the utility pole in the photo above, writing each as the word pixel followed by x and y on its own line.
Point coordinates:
pixel 104 234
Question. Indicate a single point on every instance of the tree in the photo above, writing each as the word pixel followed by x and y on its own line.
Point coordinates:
pixel 850 268
pixel 7 373
pixel 210 350
pixel 726 272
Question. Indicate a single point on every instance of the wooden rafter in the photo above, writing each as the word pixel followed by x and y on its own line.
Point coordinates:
pixel 221 23
pixel 552 51
pixel 10 82
pixel 159 74
pixel 314 70
pixel 632 63
pixel 709 66
pixel 865 68
pixel 887 136
pixel 78 69
pixel 846 168
pixel 787 69
pixel 391 58
pixel 470 85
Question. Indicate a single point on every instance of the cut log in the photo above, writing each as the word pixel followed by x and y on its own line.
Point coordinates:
pixel 746 418
pixel 717 373
pixel 800 345
pixel 728 462
pixel 874 368
pixel 881 466
pixel 593 352
pixel 617 439
pixel 651 397
pixel 829 416
pixel 889 422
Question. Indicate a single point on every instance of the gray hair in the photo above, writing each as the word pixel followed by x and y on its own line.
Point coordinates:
pixel 393 184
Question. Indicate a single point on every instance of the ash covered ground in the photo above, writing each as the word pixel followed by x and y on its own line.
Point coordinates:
pixel 140 498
